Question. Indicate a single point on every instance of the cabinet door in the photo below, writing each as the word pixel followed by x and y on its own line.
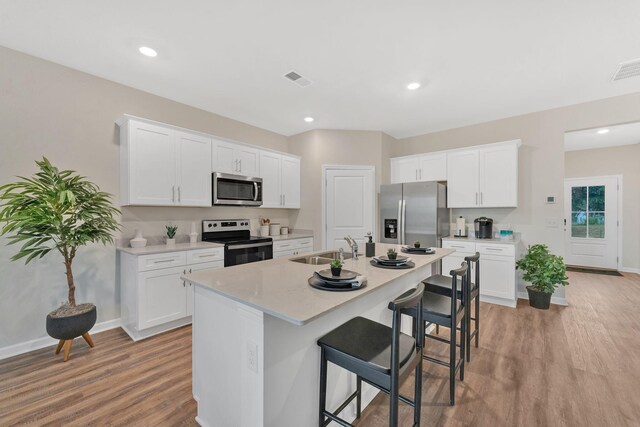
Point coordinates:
pixel 462 179
pixel 432 167
pixel 499 176
pixel 404 170
pixel 198 267
pixel 270 165
pixel 224 157
pixel 152 165
pixel 452 262
pixel 194 170
pixel 498 276
pixel 162 297
pixel 248 161
pixel 290 182
pixel 281 254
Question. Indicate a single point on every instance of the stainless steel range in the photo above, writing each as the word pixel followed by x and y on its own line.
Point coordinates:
pixel 240 247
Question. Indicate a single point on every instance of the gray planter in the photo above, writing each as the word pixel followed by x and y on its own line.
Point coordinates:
pixel 538 299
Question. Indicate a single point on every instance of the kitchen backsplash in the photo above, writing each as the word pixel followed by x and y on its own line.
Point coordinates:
pixel 153 220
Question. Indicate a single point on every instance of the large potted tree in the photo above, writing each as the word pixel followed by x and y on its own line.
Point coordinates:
pixel 545 271
pixel 58 211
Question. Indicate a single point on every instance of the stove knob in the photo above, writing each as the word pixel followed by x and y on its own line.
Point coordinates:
pixel 209 225
pixel 215 225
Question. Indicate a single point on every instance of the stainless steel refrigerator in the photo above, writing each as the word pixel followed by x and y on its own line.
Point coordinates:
pixel 415 211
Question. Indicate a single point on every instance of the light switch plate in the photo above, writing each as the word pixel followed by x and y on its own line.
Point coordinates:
pixel 552 223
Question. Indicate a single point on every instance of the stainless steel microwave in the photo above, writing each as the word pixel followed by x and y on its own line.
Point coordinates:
pixel 236 190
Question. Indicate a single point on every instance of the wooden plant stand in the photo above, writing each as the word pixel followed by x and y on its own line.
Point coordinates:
pixel 67 345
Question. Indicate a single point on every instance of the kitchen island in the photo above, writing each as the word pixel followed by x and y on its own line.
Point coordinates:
pixel 255 326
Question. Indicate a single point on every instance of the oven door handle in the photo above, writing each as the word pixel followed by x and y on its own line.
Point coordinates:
pixel 249 246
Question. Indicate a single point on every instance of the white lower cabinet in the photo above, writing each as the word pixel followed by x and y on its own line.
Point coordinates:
pixel 497 268
pixel 284 248
pixel 153 297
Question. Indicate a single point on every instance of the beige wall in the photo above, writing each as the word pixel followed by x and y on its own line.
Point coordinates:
pixel 69 116
pixel 623 161
pixel 330 147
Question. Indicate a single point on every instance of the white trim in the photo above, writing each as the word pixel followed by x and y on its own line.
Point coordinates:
pixel 620 223
pixel 323 179
pixel 554 300
pixel 630 270
pixel 38 343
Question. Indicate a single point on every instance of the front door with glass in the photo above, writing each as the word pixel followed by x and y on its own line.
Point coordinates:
pixel 591 222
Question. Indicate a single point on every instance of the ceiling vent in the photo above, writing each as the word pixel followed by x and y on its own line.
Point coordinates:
pixel 298 79
pixel 627 69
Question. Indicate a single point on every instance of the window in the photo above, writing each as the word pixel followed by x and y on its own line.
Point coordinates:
pixel 587 212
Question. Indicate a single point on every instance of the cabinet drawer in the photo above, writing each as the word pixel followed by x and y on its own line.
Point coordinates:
pixel 282 254
pixel 465 247
pixel 284 245
pixel 495 249
pixel 303 243
pixel 205 255
pixel 157 261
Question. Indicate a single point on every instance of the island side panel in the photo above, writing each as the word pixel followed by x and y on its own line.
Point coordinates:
pixel 228 368
pixel 292 357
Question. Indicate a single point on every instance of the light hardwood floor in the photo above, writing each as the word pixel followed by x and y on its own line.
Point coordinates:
pixel 569 366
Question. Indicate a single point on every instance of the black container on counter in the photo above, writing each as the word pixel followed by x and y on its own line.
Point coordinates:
pixel 370 247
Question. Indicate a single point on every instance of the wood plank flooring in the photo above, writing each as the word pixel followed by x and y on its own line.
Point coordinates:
pixel 569 366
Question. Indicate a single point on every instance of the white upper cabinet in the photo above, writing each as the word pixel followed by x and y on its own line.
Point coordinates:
pixel 280 180
pixel 499 176
pixel 235 159
pixel 462 179
pixel 483 177
pixel 162 166
pixel 426 167
pixel 194 158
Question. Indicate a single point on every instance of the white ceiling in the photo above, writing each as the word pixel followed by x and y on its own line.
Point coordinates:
pixel 477 61
pixel 626 134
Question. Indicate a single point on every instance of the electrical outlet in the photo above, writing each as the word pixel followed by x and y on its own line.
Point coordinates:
pixel 552 223
pixel 252 356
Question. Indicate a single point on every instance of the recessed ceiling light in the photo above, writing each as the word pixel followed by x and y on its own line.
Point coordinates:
pixel 413 86
pixel 308 119
pixel 603 131
pixel 147 51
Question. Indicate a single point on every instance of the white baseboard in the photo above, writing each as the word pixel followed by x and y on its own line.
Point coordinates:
pixel 630 270
pixel 38 343
pixel 554 300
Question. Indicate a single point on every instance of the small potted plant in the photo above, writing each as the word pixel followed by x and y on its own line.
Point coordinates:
pixel 336 267
pixel 392 254
pixel 545 272
pixel 171 234
pixel 417 244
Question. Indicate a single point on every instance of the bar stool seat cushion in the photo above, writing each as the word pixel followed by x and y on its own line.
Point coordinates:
pixel 435 305
pixel 441 284
pixel 368 341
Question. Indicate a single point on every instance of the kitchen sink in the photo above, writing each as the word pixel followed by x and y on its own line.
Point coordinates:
pixel 323 258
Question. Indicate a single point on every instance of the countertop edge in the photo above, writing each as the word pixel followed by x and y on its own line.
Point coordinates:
pixel 159 249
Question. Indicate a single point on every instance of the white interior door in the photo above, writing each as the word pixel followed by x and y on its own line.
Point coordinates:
pixel 349 205
pixel 591 222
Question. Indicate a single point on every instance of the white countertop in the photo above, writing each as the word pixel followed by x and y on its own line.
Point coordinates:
pixel 294 235
pixel 158 249
pixel 279 286
pixel 471 238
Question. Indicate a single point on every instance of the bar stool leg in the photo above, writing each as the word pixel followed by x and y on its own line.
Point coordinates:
pixel 323 387
pixel 452 363
pixel 359 397
pixel 467 321
pixel 477 321
pixel 464 334
pixel 417 396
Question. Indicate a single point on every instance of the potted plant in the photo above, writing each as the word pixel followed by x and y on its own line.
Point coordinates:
pixel 416 244
pixel 392 254
pixel 171 234
pixel 58 211
pixel 336 267
pixel 545 272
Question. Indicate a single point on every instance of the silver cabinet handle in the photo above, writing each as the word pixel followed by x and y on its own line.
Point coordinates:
pixel 284 200
pixel 173 194
pixel 159 261
pixel 179 195
pixel 476 197
pixel 189 271
pixel 481 198
pixel 416 174
pixel 240 165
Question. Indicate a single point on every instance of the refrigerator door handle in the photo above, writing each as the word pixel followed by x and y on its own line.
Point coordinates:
pixel 404 218
pixel 399 221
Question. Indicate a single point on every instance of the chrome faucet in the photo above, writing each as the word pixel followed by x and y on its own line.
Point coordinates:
pixel 354 247
pixel 341 254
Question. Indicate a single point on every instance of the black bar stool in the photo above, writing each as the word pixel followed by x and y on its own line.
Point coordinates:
pixel 438 309
pixel 378 355
pixel 440 284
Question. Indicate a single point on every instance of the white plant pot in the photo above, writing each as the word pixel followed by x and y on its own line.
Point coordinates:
pixel 138 241
pixel 170 242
